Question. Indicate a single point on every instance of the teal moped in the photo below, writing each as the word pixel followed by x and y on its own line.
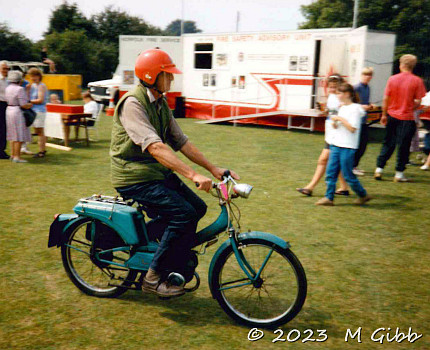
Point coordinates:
pixel 107 247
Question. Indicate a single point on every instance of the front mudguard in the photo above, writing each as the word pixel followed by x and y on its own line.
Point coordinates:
pixel 59 226
pixel 244 236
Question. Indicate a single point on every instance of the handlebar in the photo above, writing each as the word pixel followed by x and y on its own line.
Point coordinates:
pixel 225 176
pixel 213 184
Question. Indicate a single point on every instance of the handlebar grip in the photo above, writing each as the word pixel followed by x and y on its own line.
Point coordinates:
pixel 198 184
pixel 226 173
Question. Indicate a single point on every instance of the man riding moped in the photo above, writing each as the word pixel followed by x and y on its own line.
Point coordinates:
pixel 143 166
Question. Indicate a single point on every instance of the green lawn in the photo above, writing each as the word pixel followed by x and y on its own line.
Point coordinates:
pixel 366 266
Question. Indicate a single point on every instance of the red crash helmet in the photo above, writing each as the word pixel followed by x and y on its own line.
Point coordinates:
pixel 152 62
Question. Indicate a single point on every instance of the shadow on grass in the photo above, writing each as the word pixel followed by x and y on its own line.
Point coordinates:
pixel 383 202
pixel 193 310
pixel 70 158
pixel 190 310
pixel 65 159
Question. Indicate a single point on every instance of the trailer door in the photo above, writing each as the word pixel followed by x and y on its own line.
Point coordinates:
pixel 330 57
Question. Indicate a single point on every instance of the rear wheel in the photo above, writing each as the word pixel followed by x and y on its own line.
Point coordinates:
pixel 274 299
pixel 101 279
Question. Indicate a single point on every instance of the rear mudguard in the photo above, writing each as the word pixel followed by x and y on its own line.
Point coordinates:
pixel 243 236
pixel 60 225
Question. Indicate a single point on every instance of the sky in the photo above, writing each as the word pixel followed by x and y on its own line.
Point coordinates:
pixel 31 17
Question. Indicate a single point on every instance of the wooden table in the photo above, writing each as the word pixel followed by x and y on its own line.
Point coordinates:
pixel 58 125
pixel 78 120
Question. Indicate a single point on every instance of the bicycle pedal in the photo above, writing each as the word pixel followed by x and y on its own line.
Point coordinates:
pixel 212 242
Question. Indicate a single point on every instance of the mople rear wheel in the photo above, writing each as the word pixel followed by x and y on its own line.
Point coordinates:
pixel 101 279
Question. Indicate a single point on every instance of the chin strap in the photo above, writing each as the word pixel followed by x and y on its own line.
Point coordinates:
pixel 151 87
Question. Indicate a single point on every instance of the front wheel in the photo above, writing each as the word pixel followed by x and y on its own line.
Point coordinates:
pixel 91 276
pixel 272 300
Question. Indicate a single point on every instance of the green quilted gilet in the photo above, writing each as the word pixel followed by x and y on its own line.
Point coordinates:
pixel 129 165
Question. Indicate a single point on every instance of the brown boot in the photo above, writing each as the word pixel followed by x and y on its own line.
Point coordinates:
pixel 377 176
pixel 151 284
pixel 325 201
pixel 401 179
pixel 362 200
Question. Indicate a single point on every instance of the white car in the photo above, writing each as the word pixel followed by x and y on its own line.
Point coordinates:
pixel 101 90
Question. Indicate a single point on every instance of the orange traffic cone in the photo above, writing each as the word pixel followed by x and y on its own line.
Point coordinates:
pixel 111 109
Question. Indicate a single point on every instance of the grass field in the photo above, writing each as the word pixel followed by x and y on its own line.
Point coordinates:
pixel 366 266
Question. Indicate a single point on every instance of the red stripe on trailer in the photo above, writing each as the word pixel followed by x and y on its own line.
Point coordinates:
pixel 201 110
pixel 286 75
pixel 271 82
pixel 425 115
pixel 171 99
pixel 238 102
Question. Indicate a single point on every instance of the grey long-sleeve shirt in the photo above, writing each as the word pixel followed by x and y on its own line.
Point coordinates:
pixel 136 123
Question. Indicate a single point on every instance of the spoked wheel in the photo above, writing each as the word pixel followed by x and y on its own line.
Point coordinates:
pixel 91 276
pixel 274 299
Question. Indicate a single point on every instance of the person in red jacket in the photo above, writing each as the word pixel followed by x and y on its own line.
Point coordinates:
pixel 402 96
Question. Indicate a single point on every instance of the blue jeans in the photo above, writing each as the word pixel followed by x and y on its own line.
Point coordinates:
pixel 172 202
pixel 342 159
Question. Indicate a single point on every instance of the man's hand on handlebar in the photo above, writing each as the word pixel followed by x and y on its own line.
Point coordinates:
pixel 219 172
pixel 203 183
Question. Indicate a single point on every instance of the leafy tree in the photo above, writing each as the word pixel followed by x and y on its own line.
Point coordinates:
pixel 409 19
pixel 15 46
pixel 90 46
pixel 174 27
pixel 111 23
pixel 71 51
pixel 68 17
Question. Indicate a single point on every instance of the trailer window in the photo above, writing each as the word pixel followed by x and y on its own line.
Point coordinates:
pixel 203 56
pixel 203 47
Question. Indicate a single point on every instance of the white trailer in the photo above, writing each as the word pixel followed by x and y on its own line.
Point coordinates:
pixel 130 46
pixel 236 74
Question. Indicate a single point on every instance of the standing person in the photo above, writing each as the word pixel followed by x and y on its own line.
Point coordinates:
pixel 39 97
pixel 344 144
pixel 363 91
pixel 403 94
pixel 142 167
pixel 4 69
pixel 426 149
pixel 48 61
pixel 332 107
pixel 426 165
pixel 26 85
pixel 17 131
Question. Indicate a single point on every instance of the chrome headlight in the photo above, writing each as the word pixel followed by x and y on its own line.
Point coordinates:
pixel 242 190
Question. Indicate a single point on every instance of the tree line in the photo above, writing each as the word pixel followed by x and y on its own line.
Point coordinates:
pixel 81 45
pixel 408 19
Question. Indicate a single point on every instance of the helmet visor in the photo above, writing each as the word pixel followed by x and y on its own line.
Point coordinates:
pixel 170 68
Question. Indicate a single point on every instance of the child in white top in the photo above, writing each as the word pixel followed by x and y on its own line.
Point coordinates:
pixel 345 138
pixel 90 106
pixel 332 107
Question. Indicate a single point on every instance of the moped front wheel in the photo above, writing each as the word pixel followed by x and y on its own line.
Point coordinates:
pixel 270 301
pixel 91 276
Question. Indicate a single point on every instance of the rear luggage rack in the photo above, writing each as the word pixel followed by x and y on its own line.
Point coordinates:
pixel 98 198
